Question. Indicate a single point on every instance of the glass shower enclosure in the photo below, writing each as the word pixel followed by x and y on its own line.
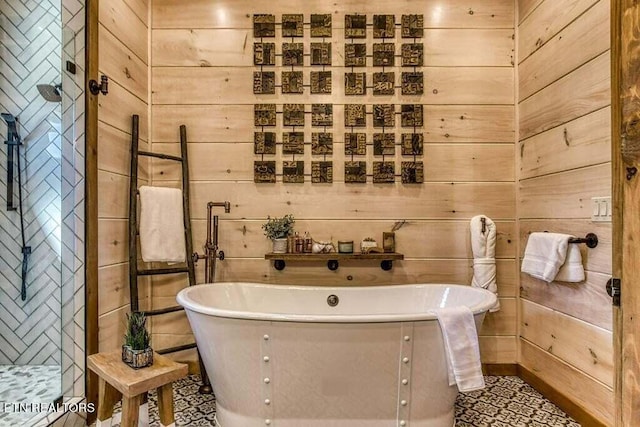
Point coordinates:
pixel 40 164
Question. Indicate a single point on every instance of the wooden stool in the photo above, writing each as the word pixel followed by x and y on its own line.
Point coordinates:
pixel 117 380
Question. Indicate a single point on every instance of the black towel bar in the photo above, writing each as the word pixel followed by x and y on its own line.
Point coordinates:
pixel 591 240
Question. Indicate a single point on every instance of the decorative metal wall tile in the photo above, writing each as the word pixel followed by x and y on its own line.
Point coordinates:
pixel 384 54
pixel 321 25
pixel 264 171
pixel 384 83
pixel 412 26
pixel 355 55
pixel 411 115
pixel 264 82
pixel 355 144
pixel 355 115
pixel 293 171
pixel 321 143
pixel 412 54
pixel 413 83
pixel 321 172
pixel 292 25
pixel 292 82
pixel 264 114
pixel 412 172
pixel 384 172
pixel 355 26
pixel 292 54
pixel 264 25
pixel 293 114
pixel 355 83
pixel 412 144
pixel 384 115
pixel 355 172
pixel 384 26
pixel 264 142
pixel 322 115
pixel 321 82
pixel 293 143
pixel 320 53
pixel 384 144
pixel 264 54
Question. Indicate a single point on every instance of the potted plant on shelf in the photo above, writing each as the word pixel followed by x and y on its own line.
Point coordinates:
pixel 136 351
pixel 277 229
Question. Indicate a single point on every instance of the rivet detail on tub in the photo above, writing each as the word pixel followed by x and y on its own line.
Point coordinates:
pixel 266 375
pixel 404 373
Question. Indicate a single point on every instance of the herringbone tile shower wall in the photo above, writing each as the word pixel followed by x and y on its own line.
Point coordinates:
pixel 30 53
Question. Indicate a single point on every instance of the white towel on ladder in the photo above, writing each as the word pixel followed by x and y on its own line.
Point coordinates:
pixel 483 245
pixel 462 349
pixel 162 225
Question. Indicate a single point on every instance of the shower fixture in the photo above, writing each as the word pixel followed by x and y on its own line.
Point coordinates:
pixel 13 144
pixel 50 92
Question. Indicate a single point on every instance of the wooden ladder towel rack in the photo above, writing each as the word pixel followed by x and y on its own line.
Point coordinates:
pixel 134 271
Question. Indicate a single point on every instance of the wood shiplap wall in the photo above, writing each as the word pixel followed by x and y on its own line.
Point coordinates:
pixel 563 161
pixel 123 57
pixel 202 64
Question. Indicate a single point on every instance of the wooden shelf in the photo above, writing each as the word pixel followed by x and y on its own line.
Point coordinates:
pixel 333 258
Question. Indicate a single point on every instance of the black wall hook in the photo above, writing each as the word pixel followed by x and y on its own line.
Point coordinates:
pixel 96 88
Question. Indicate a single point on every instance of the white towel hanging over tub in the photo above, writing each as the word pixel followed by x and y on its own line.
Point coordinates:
pixel 483 245
pixel 161 225
pixel 461 345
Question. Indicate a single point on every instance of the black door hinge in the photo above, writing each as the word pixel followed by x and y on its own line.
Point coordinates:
pixel 613 289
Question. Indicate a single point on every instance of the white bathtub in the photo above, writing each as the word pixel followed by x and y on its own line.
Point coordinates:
pixel 281 356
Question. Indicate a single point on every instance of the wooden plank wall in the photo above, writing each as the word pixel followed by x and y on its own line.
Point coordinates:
pixel 202 64
pixel 563 160
pixel 124 58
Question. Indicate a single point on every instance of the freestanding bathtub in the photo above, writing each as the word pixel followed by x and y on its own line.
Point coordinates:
pixel 282 356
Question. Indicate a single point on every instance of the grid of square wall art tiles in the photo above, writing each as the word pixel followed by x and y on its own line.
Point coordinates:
pixel 292 84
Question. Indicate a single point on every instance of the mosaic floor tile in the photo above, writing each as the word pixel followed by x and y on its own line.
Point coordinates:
pixel 505 402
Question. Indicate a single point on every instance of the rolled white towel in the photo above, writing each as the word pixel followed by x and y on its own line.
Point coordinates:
pixel 483 246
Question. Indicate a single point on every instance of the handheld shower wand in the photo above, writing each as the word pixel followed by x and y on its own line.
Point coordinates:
pixel 14 142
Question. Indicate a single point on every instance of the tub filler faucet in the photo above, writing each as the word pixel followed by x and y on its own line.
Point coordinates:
pixel 211 252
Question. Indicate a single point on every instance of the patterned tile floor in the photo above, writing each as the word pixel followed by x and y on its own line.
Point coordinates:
pixel 27 384
pixel 505 402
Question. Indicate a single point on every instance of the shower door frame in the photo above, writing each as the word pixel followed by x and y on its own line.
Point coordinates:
pixel 91 201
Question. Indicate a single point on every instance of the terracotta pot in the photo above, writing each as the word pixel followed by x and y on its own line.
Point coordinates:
pixel 137 358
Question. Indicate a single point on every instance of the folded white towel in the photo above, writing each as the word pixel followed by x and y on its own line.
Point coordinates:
pixel 572 269
pixel 483 245
pixel 544 254
pixel 461 346
pixel 161 225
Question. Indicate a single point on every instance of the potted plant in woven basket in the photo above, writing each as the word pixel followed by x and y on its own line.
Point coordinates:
pixel 277 229
pixel 136 351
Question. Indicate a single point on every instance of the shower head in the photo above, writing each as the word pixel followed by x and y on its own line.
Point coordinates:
pixel 50 92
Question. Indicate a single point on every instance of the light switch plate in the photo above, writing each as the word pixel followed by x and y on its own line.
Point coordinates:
pixel 601 209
